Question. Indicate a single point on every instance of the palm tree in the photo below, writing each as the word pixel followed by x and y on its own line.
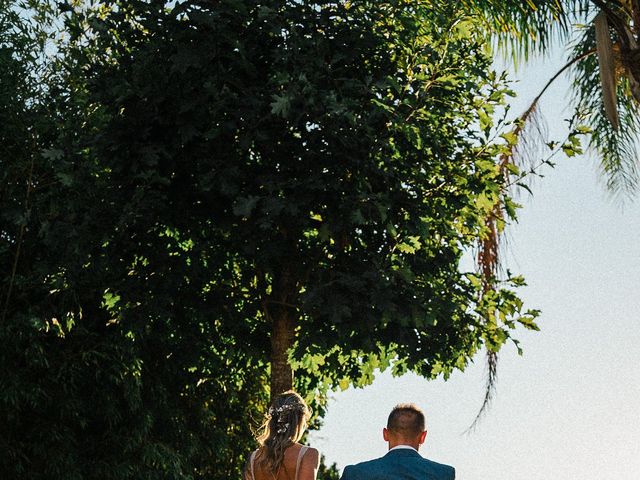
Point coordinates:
pixel 602 41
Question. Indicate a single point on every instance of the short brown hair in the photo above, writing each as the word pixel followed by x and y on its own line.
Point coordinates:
pixel 406 420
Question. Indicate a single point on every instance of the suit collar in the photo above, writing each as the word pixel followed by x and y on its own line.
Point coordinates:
pixel 398 447
pixel 402 452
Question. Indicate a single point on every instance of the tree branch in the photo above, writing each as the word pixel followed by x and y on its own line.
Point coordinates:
pixel 23 228
pixel 553 79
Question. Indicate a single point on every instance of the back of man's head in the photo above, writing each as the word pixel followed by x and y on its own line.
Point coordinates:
pixel 406 421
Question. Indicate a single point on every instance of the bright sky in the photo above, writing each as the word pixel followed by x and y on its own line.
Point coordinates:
pixel 570 407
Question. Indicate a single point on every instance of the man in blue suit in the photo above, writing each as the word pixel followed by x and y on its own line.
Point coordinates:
pixel 405 433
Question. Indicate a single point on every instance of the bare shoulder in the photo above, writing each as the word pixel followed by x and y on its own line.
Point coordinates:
pixel 309 465
pixel 312 456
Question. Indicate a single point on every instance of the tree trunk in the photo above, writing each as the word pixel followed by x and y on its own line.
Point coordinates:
pixel 282 337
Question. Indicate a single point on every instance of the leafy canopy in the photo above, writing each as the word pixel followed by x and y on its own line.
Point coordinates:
pixel 196 168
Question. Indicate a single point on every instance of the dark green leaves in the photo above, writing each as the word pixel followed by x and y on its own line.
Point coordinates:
pixel 202 168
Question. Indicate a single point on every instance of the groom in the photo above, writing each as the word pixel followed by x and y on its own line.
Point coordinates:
pixel 405 433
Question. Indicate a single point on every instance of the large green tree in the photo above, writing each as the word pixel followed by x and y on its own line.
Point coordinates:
pixel 340 186
pixel 202 198
pixel 89 387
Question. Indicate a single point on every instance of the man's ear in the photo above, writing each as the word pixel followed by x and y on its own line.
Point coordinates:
pixel 423 436
pixel 385 434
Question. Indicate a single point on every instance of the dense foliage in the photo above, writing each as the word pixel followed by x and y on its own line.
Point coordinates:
pixel 183 182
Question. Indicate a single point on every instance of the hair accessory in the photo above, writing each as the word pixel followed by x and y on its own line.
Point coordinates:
pixel 285 408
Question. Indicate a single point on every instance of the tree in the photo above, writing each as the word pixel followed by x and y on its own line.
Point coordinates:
pixel 86 390
pixel 604 61
pixel 328 472
pixel 344 194
pixel 223 193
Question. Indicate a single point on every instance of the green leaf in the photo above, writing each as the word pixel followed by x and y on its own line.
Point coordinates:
pixel 281 105
pixel 344 383
pixel 510 137
pixel 245 205
pixel 52 153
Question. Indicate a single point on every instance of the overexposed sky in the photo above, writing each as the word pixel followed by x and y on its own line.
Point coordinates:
pixel 570 406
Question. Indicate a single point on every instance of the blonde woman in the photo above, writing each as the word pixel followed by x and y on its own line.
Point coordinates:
pixel 280 456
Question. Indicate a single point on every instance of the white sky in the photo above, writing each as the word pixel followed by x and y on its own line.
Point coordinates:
pixel 570 407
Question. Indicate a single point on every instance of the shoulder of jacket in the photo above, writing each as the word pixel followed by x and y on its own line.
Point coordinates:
pixel 438 465
pixel 364 465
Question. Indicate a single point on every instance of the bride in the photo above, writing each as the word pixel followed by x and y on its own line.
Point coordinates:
pixel 280 456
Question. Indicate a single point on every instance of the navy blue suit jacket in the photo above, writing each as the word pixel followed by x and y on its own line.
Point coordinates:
pixel 401 464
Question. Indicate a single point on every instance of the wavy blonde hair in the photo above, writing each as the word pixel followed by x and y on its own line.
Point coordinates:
pixel 284 425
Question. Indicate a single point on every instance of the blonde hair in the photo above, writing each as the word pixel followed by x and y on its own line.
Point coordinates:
pixel 284 425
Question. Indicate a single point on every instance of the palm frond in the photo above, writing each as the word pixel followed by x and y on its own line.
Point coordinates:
pixel 490 389
pixel 617 149
pixel 520 28
pixel 530 130
pixel 532 134
pixel 604 47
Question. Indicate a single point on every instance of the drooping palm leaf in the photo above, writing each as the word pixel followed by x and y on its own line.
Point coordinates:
pixel 524 27
pixel 609 92
pixel 617 149
pixel 606 64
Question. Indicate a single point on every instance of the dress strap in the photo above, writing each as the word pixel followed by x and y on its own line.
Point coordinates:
pixel 301 453
pixel 251 462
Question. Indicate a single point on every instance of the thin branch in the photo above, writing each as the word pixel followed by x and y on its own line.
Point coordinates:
pixel 23 228
pixel 284 304
pixel 532 170
pixel 553 79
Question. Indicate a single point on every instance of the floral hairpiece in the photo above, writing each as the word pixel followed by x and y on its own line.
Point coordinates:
pixel 281 421
pixel 286 408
